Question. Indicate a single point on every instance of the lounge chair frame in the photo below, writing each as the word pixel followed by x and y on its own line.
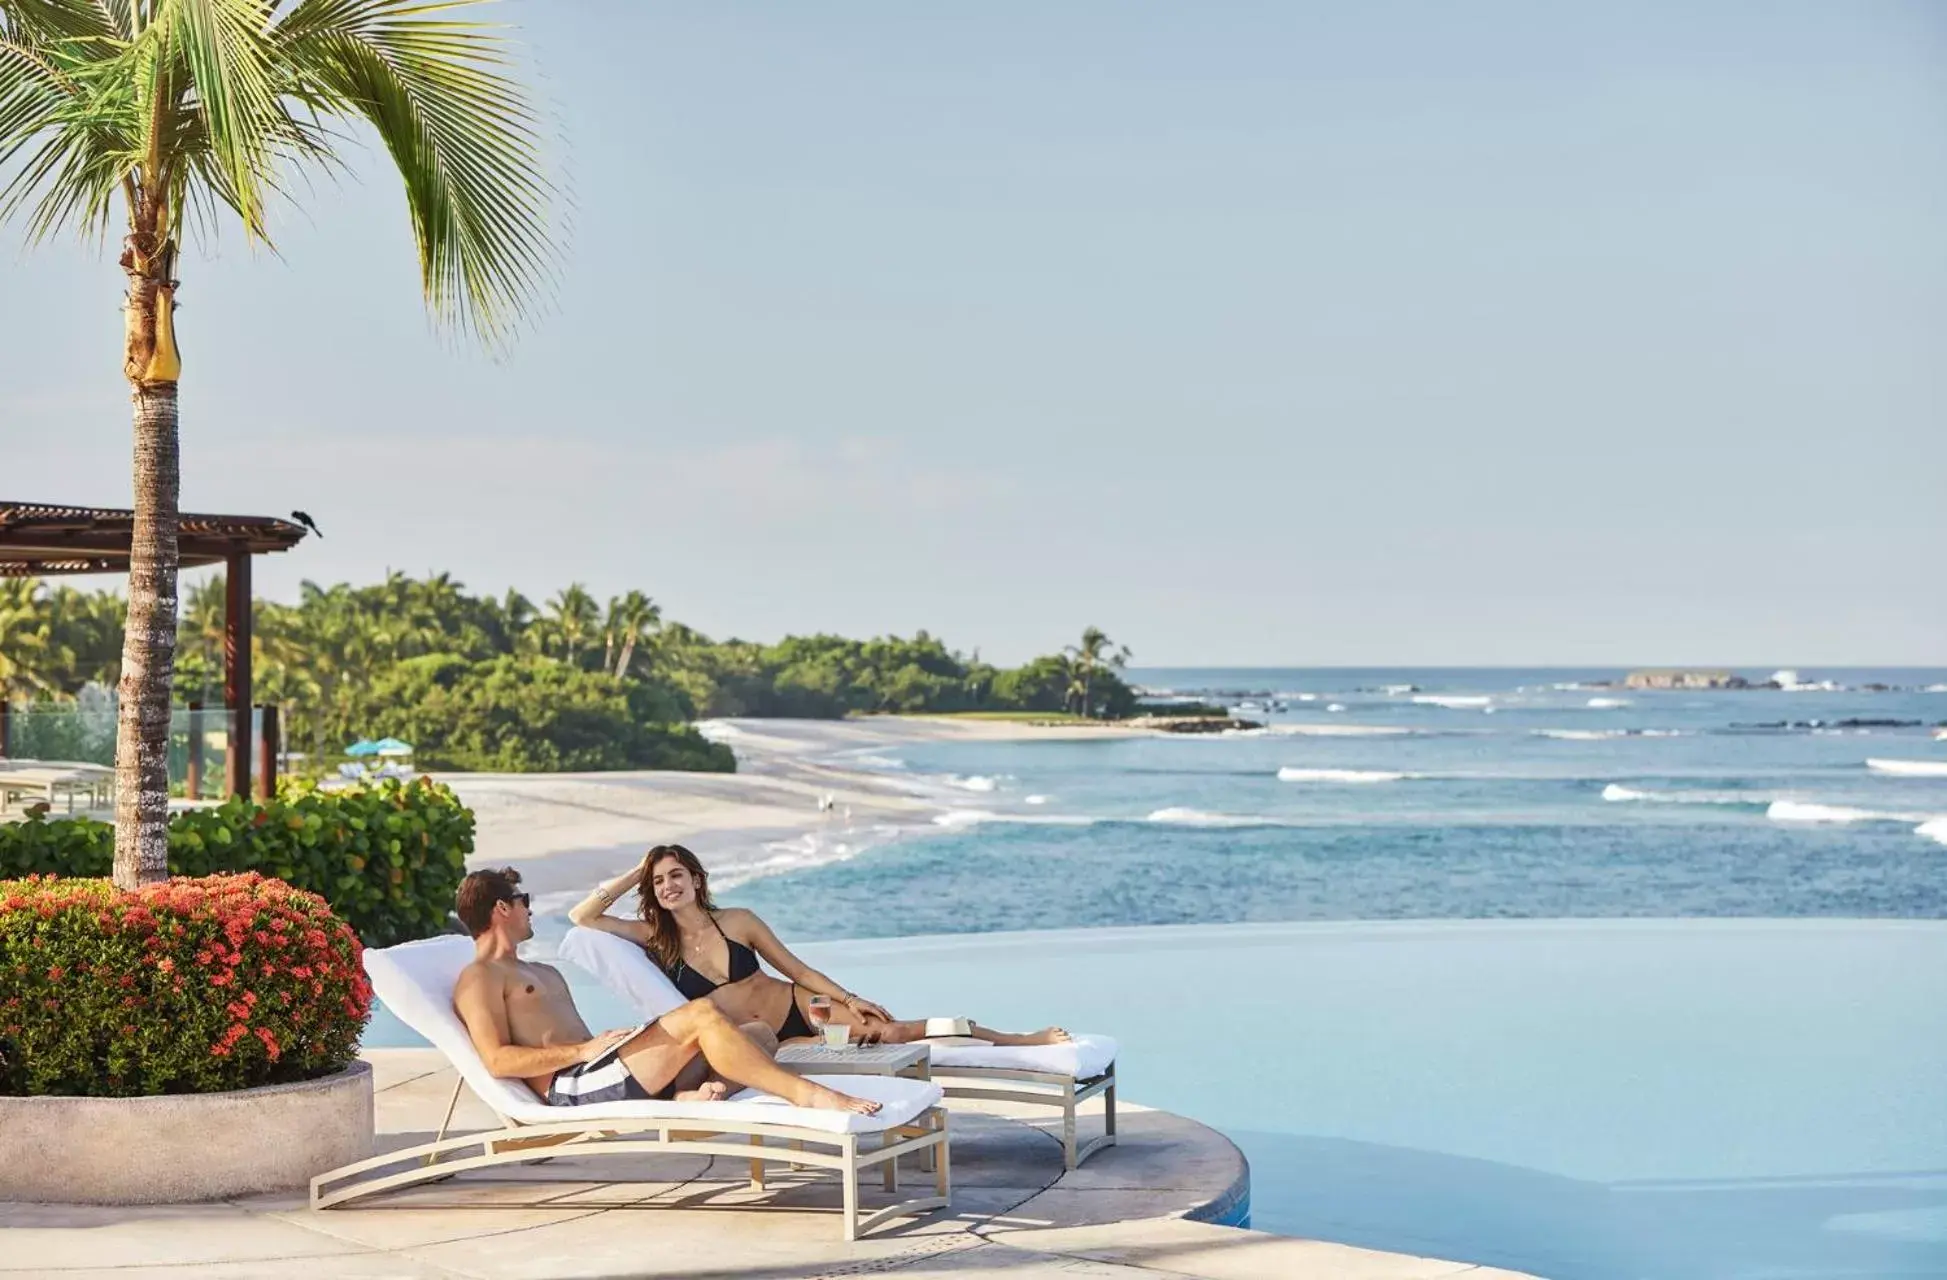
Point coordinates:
pixel 517 1143
pixel 1040 1088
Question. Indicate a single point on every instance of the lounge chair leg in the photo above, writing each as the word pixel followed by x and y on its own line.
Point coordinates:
pixel 756 1165
pixel 451 1103
pixel 1068 1125
pixel 941 1181
pixel 850 1172
pixel 1108 1109
pixel 891 1166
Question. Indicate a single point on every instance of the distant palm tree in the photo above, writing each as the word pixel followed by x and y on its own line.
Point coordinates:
pixel 26 638
pixel 573 618
pixel 629 616
pixel 1086 659
pixel 168 111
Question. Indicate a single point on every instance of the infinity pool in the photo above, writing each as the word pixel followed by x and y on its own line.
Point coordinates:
pixel 1583 1100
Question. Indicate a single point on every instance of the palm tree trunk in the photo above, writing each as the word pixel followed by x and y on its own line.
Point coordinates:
pixel 628 652
pixel 148 649
pixel 149 639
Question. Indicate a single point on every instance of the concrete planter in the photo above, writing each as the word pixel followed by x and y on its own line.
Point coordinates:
pixel 183 1146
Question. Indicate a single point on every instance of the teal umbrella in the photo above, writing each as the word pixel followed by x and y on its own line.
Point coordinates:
pixel 393 747
pixel 364 747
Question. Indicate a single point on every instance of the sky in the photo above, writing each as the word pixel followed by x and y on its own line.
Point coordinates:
pixel 1253 333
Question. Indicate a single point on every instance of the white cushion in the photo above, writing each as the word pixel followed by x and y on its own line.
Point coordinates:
pixel 1082 1058
pixel 624 969
pixel 416 980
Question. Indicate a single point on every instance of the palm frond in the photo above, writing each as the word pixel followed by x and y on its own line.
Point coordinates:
pixel 461 132
pixel 205 105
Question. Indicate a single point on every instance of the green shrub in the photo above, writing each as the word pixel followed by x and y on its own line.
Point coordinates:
pixel 189 986
pixel 388 857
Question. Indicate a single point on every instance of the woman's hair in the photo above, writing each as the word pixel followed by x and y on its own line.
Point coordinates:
pixel 665 940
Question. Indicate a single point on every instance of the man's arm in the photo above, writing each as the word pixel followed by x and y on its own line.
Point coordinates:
pixel 478 1001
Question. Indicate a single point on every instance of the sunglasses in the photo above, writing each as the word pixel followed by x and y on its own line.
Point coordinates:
pixel 525 899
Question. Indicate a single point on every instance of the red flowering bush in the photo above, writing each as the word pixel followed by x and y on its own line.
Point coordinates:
pixel 190 986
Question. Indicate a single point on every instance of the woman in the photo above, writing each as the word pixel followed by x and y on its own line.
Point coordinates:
pixel 714 953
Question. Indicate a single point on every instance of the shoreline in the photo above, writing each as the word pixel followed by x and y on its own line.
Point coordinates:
pixel 566 831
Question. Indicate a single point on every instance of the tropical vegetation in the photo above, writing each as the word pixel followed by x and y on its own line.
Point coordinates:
pixel 500 683
pixel 157 116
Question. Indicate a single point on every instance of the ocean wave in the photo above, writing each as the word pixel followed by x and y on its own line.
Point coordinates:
pixel 1036 800
pixel 1292 774
pixel 1597 735
pixel 1336 706
pixel 1343 730
pixel 1608 704
pixel 871 761
pixel 1616 793
pixel 1454 701
pixel 1203 818
pixel 1909 768
pixel 980 817
pixel 975 782
pixel 1806 811
pixel 1933 829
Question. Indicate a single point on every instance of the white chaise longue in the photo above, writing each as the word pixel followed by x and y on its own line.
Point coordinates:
pixel 416 979
pixel 1057 1075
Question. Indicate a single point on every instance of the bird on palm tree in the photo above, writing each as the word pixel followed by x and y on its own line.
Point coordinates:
pixel 155 115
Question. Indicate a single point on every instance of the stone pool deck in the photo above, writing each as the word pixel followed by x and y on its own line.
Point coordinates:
pixel 1140 1209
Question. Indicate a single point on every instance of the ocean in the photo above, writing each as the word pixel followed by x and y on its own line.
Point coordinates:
pixel 1395 793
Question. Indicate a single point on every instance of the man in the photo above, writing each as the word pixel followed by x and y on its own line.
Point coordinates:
pixel 524 1025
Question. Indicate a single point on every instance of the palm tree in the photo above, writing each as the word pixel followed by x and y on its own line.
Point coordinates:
pixel 26 638
pixel 628 617
pixel 573 617
pixel 170 111
pixel 1094 652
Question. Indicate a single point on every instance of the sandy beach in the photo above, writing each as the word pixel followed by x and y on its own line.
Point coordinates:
pixel 565 831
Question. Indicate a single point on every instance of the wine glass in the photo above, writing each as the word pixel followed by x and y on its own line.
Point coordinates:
pixel 818 1012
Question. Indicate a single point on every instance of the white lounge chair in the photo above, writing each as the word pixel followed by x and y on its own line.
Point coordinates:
pixel 416 979
pixel 1057 1075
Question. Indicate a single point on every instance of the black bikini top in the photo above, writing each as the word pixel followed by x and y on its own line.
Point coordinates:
pixel 695 986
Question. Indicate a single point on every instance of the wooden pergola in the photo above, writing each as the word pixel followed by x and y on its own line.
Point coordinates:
pixel 39 540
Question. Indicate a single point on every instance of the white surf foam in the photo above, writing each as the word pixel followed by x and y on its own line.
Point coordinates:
pixel 1454 701
pixel 1806 811
pixel 1909 768
pixel 978 817
pixel 1615 793
pixel 1608 704
pixel 1036 800
pixel 1293 774
pixel 1342 730
pixel 1336 706
pixel 1203 818
pixel 975 783
pixel 1933 829
pixel 1581 735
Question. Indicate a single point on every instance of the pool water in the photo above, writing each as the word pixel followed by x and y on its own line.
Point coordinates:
pixel 1583 1100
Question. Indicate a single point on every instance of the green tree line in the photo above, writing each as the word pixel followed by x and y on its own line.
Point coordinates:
pixel 501 683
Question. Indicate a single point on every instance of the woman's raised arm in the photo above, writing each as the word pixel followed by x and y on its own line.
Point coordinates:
pixel 592 912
